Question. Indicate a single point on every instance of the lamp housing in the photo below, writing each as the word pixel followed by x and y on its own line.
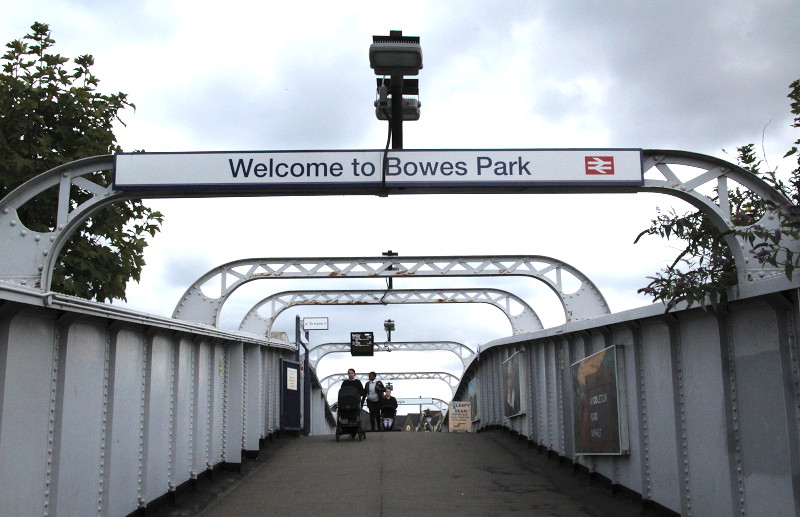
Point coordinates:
pixel 395 54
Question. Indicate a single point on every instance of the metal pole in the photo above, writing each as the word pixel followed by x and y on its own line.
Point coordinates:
pixel 397 112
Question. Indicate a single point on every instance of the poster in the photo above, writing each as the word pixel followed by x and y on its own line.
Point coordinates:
pixel 599 405
pixel 291 379
pixel 472 395
pixel 460 416
pixel 514 397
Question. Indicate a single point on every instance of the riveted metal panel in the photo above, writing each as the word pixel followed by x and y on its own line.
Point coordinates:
pixel 234 403
pixel 702 395
pixel 628 472
pixel 760 418
pixel 218 359
pixel 126 379
pixel 78 420
pixel 157 416
pixel 26 354
pixel 183 423
pixel 661 446
pixel 203 371
pixel 253 400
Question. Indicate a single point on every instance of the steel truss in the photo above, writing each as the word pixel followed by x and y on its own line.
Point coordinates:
pixel 524 321
pixel 28 257
pixel 585 303
pixel 464 353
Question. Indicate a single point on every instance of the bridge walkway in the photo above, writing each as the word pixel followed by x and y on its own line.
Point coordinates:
pixel 399 474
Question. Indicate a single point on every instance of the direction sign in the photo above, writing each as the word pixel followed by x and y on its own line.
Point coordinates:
pixel 315 323
pixel 362 343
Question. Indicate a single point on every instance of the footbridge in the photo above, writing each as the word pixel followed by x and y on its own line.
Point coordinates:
pixel 105 411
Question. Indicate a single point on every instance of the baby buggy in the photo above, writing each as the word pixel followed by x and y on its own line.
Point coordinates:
pixel 387 417
pixel 348 413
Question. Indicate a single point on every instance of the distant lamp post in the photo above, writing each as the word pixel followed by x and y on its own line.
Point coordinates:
pixel 388 326
pixel 396 56
pixel 389 254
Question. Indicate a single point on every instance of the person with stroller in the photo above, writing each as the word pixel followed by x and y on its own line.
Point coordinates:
pixel 348 407
pixel 388 410
pixel 373 394
pixel 352 381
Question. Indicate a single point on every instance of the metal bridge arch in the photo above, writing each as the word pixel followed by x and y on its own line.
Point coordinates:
pixel 451 380
pixel 464 353
pixel 29 257
pixel 586 302
pixel 525 321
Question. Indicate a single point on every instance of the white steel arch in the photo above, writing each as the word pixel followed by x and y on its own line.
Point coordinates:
pixel 584 303
pixel 464 353
pixel 28 257
pixel 525 321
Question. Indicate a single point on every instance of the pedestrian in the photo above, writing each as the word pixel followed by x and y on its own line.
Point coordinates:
pixel 373 393
pixel 352 381
pixel 388 410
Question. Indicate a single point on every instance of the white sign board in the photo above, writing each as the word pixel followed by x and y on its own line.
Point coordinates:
pixel 291 379
pixel 315 323
pixel 278 170
pixel 414 402
pixel 460 416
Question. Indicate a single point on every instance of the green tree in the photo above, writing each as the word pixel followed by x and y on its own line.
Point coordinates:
pixel 51 114
pixel 704 269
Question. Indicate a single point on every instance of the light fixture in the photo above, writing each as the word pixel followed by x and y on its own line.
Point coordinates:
pixel 392 58
pixel 395 54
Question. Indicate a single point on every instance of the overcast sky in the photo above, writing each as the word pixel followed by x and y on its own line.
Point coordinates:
pixel 208 76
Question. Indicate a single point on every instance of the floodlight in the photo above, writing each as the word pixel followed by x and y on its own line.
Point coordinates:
pixel 395 54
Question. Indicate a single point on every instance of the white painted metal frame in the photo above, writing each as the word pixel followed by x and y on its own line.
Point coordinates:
pixel 28 257
pixel 525 321
pixel 584 303
pixel 464 353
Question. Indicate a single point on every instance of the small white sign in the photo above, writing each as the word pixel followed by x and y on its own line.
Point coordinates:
pixel 315 323
pixel 414 402
pixel 291 379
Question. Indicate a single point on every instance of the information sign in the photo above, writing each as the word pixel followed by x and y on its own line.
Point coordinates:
pixel 362 343
pixel 460 416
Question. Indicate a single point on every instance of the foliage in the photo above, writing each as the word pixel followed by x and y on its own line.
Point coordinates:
pixel 704 270
pixel 51 115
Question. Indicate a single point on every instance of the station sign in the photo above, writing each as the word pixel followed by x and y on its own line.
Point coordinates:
pixel 407 169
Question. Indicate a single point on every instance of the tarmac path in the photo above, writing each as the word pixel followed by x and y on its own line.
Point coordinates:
pixel 399 474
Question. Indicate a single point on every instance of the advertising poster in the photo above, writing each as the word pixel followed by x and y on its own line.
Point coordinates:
pixel 472 395
pixel 515 377
pixel 460 416
pixel 600 413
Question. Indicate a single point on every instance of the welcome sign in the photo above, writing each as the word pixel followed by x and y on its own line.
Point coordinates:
pixel 271 170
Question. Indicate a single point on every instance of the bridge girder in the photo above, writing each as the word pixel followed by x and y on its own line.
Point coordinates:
pixel 526 321
pixel 29 257
pixel 464 353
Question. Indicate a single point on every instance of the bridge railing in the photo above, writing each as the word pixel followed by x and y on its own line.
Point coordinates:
pixel 103 410
pixel 709 405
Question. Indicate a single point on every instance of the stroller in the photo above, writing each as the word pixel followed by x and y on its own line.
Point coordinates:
pixel 387 417
pixel 348 413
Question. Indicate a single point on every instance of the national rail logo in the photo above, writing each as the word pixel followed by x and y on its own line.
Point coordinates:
pixel 603 165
